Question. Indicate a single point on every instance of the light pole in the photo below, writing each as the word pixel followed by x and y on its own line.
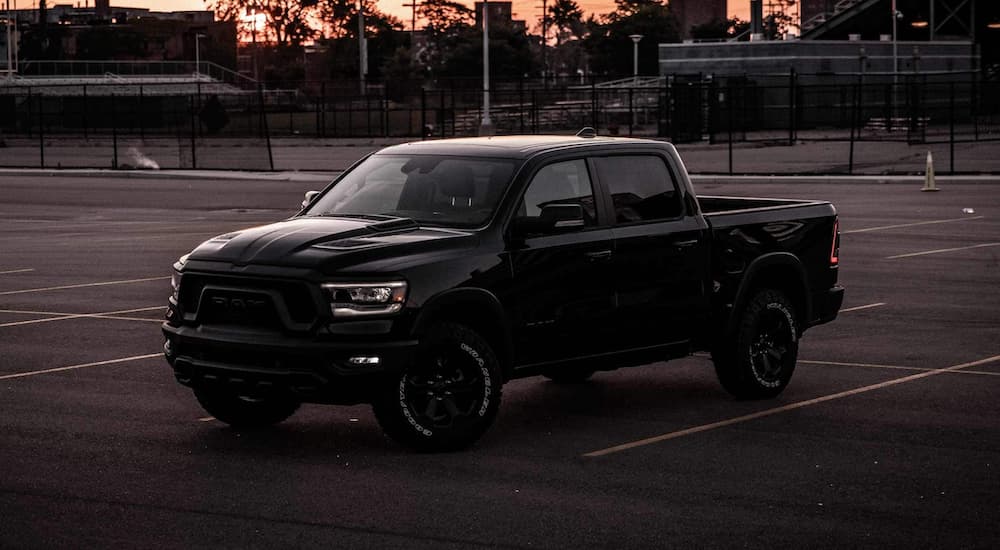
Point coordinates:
pixel 197 54
pixel 895 55
pixel 486 128
pixel 635 57
pixel 10 60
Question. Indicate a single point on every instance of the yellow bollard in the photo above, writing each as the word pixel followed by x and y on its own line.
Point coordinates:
pixel 929 184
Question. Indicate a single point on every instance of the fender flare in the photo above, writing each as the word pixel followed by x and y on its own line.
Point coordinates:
pixel 782 260
pixel 486 309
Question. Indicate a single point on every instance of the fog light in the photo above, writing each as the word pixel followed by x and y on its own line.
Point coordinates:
pixel 361 360
pixel 168 348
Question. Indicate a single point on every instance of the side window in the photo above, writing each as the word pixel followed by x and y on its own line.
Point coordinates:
pixel 561 183
pixel 641 187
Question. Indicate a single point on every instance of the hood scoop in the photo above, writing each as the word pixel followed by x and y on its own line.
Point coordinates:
pixel 345 244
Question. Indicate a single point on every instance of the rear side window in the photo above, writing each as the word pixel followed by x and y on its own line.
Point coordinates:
pixel 641 187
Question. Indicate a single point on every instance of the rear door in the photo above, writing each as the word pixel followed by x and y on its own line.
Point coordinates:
pixel 661 260
pixel 562 280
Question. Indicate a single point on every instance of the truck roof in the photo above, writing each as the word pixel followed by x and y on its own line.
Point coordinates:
pixel 519 147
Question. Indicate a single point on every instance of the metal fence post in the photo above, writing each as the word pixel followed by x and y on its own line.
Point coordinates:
pixel 264 129
pixel 520 102
pixel 41 129
pixel 854 118
pixel 593 104
pixel 951 122
pixel 85 121
pixel 194 125
pixel 729 108
pixel 423 113
pixel 792 81
pixel 114 134
pixel 141 117
pixel 631 114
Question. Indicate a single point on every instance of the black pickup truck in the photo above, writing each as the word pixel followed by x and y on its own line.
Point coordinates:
pixel 429 274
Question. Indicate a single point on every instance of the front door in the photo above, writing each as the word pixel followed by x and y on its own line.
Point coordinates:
pixel 562 282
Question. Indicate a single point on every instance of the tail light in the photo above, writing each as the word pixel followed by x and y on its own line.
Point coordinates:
pixel 835 248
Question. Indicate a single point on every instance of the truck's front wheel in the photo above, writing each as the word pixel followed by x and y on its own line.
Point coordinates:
pixel 757 361
pixel 243 411
pixel 448 398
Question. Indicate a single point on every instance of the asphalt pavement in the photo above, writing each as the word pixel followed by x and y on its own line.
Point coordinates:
pixel 887 437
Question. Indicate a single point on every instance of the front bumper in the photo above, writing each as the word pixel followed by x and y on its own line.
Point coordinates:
pixel 255 363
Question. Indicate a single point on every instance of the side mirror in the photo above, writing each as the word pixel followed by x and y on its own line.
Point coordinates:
pixel 557 217
pixel 310 197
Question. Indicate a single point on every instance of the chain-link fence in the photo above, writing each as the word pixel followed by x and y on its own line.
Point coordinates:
pixel 206 123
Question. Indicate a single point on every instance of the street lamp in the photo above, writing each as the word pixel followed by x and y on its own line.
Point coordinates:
pixel 197 53
pixel 635 56
pixel 486 128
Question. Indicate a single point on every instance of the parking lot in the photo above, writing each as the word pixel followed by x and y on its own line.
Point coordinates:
pixel 888 436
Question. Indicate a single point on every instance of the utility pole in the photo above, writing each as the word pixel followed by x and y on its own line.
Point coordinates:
pixel 10 57
pixel 545 40
pixel 413 20
pixel 362 48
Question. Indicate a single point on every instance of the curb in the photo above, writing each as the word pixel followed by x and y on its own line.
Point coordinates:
pixel 323 177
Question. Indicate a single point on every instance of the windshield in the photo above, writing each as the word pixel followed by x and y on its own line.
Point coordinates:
pixel 430 189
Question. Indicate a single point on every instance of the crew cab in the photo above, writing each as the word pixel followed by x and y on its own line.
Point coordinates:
pixel 429 274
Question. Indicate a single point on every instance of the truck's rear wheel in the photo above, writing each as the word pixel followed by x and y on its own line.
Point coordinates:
pixel 448 398
pixel 243 411
pixel 757 361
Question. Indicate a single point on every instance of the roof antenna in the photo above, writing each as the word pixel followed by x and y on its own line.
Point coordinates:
pixel 587 132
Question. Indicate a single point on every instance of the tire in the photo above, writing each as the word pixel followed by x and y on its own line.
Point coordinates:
pixel 757 361
pixel 449 396
pixel 569 375
pixel 245 412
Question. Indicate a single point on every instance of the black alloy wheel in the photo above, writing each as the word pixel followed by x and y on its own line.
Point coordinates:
pixel 448 398
pixel 757 359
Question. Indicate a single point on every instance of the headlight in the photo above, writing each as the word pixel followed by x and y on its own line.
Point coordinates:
pixel 175 283
pixel 175 277
pixel 365 299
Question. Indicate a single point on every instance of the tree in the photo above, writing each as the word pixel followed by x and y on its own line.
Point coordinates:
pixel 567 17
pixel 777 23
pixel 448 29
pixel 720 29
pixel 608 43
pixel 286 21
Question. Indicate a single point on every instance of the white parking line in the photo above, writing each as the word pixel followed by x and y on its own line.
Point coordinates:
pixel 941 251
pixel 83 366
pixel 65 316
pixel 16 271
pixel 914 224
pixel 64 287
pixel 785 408
pixel 893 367
pixel 859 308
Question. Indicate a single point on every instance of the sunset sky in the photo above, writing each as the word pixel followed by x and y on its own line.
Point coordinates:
pixel 523 9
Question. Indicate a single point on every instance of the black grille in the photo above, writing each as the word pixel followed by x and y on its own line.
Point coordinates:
pixel 246 300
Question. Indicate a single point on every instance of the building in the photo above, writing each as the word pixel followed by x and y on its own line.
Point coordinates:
pixel 501 13
pixel 691 13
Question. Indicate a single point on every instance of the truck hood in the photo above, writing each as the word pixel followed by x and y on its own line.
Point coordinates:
pixel 326 243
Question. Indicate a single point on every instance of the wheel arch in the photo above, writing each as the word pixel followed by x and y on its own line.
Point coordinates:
pixel 780 271
pixel 476 308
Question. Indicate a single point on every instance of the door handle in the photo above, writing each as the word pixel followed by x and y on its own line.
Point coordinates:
pixel 685 244
pixel 598 255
